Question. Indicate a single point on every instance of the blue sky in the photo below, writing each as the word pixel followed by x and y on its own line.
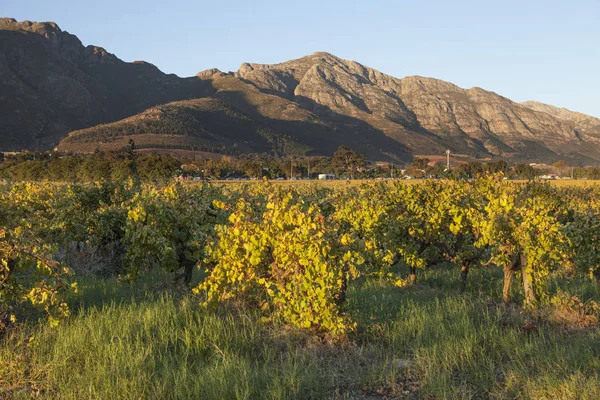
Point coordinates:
pixel 525 50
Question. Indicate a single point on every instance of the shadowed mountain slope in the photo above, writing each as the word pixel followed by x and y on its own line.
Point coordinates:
pixel 51 84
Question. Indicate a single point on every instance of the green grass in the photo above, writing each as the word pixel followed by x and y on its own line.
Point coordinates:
pixel 417 342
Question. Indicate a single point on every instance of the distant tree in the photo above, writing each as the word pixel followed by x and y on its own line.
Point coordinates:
pixel 420 163
pixel 587 173
pixel 524 171
pixel 131 158
pixel 156 167
pixel 251 168
pixel 417 168
pixel 348 160
pixel 562 168
pixel 498 166
pixel 322 165
pixel 581 173
pixel 593 173
pixel 474 168
pixel 560 164
pixel 437 170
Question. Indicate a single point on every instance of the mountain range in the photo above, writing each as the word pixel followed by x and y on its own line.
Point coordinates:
pixel 54 92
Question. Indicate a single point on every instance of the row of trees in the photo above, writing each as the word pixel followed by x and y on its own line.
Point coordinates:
pixel 420 167
pixel 112 165
pixel 345 163
pixel 123 164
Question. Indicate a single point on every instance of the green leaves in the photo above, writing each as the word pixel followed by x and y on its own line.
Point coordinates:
pixel 165 227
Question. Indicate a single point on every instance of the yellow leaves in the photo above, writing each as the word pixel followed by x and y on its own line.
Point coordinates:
pixel 400 283
pixel 219 204
pixel 456 225
pixel 38 296
pixel 458 219
pixel 503 202
pixel 43 268
pixel 136 214
pixel 282 260
pixel 63 310
pixel 254 260
pixel 346 239
pixel 347 256
pixel 53 322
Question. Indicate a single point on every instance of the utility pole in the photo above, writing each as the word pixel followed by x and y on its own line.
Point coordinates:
pixel 447 159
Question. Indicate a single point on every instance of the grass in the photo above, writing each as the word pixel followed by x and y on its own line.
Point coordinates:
pixel 148 341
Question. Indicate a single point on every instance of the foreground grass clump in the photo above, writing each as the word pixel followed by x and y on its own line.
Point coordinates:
pixel 416 342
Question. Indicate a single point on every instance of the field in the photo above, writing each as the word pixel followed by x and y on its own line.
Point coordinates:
pixel 358 182
pixel 349 291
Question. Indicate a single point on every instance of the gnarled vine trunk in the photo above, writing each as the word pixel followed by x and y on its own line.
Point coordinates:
pixel 508 277
pixel 464 272
pixel 509 273
pixel 413 275
pixel 188 269
pixel 341 297
pixel 527 281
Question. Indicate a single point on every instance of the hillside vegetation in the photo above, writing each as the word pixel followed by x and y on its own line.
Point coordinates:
pixel 201 124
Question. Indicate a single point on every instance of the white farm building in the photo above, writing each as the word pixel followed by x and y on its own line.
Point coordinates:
pixel 325 177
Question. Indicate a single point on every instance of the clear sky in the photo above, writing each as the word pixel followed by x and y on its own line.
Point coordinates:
pixel 547 51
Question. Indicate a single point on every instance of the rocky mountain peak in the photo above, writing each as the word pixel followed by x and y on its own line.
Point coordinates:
pixel 585 124
pixel 48 30
pixel 558 112
pixel 469 120
pixel 99 55
pixel 207 73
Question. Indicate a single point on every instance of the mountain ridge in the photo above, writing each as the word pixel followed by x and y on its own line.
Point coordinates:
pixel 407 104
pixel 51 86
pixel 584 123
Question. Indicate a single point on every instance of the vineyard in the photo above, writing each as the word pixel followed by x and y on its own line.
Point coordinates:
pixel 443 289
